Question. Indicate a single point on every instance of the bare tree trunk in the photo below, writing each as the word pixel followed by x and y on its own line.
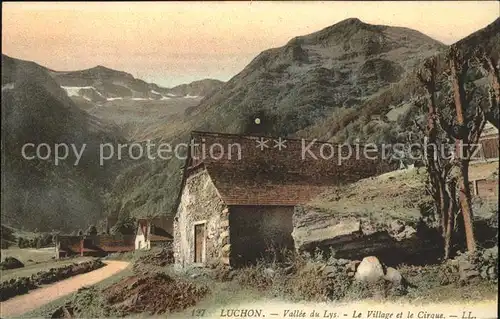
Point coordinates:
pixel 448 239
pixel 438 168
pixel 466 207
pixel 457 78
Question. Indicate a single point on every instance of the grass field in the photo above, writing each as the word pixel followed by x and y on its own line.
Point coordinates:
pixel 34 260
pixel 29 255
pixel 33 268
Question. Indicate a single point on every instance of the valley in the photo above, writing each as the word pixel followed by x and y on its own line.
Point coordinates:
pixel 350 81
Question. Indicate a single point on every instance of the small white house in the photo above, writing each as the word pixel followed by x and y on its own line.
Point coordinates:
pixel 153 232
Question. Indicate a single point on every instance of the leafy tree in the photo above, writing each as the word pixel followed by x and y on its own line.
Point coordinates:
pixel 125 226
pixel 92 230
pixel 20 242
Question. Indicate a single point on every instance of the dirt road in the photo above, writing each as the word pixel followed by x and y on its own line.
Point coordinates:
pixel 41 296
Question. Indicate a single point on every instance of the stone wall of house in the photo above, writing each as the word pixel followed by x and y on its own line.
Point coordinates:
pixel 259 232
pixel 200 202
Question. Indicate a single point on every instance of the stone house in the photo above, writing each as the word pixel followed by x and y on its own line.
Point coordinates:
pixel 153 232
pixel 238 193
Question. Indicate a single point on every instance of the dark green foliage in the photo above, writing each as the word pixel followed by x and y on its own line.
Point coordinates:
pixel 125 226
pixel 92 230
pixel 10 263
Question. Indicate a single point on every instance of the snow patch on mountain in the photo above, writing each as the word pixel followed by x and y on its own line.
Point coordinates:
pixel 8 86
pixel 74 90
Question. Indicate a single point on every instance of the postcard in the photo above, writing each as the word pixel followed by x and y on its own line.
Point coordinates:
pixel 250 159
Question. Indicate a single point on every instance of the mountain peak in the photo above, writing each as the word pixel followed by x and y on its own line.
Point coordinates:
pixel 350 21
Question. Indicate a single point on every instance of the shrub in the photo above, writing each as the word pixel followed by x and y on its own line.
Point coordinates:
pixel 10 263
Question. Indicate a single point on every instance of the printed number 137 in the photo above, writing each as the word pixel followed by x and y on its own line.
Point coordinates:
pixel 198 312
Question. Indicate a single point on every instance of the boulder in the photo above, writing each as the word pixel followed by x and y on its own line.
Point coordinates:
pixel 407 233
pixel 317 229
pixel 329 271
pixel 353 265
pixel 356 236
pixel 369 270
pixel 396 226
pixel 394 276
pixel 269 272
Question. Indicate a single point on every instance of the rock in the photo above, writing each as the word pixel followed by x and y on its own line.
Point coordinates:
pixel 342 262
pixel 353 265
pixel 369 270
pixel 407 233
pixel 329 270
pixel 194 276
pixel 465 265
pixel 313 228
pixel 310 266
pixel 396 226
pixel 269 272
pixel 357 237
pixel 492 273
pixel 394 276
pixel 469 274
pixel 491 253
pixel 288 270
pixel 484 273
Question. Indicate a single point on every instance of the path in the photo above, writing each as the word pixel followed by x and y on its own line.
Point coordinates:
pixel 38 297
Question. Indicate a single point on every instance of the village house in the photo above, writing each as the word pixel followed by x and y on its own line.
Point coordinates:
pixel 93 245
pixel 153 232
pixel 489 143
pixel 483 171
pixel 238 193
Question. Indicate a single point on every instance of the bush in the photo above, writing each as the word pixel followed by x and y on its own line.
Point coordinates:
pixel 22 285
pixel 10 263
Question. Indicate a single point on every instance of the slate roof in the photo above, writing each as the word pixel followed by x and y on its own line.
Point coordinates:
pixel 286 177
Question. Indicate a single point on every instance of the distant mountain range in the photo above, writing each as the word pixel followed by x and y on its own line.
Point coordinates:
pixel 101 84
pixel 349 81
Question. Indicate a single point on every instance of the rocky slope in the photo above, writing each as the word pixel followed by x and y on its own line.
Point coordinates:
pixel 315 75
pixel 394 103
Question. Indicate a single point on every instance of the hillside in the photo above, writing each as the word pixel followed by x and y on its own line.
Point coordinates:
pixel 395 103
pixel 313 76
pixel 289 88
pixel 38 193
pixel 199 88
pixel 326 85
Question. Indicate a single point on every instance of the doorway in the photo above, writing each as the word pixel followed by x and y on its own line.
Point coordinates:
pixel 199 243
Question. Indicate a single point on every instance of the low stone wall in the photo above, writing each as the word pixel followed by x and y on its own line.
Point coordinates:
pixel 22 285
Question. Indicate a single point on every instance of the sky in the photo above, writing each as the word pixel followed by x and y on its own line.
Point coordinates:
pixel 170 43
